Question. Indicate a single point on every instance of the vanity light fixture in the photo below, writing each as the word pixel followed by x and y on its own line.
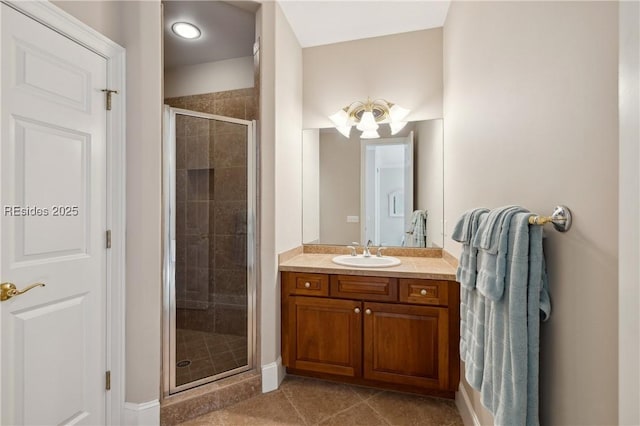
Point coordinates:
pixel 366 116
pixel 186 30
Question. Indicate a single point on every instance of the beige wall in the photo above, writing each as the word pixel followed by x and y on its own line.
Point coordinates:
pixel 403 68
pixel 102 16
pixel 138 27
pixel 268 287
pixel 629 229
pixel 288 135
pixel 428 150
pixel 530 107
pixel 339 187
pixel 281 157
pixel 209 77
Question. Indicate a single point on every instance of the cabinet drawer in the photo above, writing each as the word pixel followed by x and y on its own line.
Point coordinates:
pixel 424 292
pixel 308 284
pixel 364 288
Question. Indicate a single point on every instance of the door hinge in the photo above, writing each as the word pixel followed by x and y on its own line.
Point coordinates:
pixel 107 385
pixel 108 93
pixel 108 238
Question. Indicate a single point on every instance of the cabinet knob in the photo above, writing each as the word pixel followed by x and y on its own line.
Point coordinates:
pixel 307 285
pixel 356 310
pixel 367 311
pixel 423 292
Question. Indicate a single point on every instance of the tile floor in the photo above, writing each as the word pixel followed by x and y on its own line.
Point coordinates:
pixel 303 401
pixel 209 353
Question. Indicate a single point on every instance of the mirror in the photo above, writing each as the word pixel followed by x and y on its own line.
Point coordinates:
pixel 387 190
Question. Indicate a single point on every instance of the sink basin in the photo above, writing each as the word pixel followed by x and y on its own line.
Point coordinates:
pixel 366 262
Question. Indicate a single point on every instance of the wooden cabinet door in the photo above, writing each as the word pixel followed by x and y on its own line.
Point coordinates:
pixel 325 335
pixel 406 345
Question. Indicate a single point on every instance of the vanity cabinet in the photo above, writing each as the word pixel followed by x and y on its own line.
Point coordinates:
pixel 379 331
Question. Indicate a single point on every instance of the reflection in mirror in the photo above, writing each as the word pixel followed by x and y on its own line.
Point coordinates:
pixel 387 190
pixel 386 175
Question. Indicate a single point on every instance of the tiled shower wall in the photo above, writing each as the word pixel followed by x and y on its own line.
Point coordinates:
pixel 240 103
pixel 211 212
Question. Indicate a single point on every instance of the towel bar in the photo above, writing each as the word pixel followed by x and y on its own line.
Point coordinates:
pixel 561 219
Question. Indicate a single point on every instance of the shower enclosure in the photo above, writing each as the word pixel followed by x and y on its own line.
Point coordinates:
pixel 209 247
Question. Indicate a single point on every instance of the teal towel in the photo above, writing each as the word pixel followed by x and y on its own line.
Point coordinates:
pixel 489 232
pixel 491 241
pixel 463 232
pixel 500 335
pixel 511 360
pixel 472 303
pixel 473 317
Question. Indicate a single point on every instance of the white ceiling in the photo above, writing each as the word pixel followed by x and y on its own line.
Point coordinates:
pixel 332 21
pixel 228 27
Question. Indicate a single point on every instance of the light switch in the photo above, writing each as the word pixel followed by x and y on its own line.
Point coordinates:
pixel 353 219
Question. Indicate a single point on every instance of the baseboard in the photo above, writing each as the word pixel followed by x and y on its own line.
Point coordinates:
pixel 272 375
pixel 145 414
pixel 468 414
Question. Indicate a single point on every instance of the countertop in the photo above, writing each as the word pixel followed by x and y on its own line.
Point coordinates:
pixel 435 268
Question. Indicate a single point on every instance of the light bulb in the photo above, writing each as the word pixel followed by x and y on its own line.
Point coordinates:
pixel 345 130
pixel 370 134
pixel 397 113
pixel 186 30
pixel 397 126
pixel 367 122
pixel 340 118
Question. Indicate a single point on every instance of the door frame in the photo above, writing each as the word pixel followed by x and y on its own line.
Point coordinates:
pixel 168 240
pixel 628 214
pixel 58 20
pixel 364 144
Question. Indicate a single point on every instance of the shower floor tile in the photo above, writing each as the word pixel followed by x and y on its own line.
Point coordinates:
pixel 202 354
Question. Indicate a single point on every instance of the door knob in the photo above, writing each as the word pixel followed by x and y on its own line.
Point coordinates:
pixel 367 311
pixel 8 290
pixel 356 310
pixel 423 292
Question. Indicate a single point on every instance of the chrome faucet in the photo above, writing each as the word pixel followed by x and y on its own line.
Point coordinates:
pixel 379 251
pixel 365 251
pixel 353 248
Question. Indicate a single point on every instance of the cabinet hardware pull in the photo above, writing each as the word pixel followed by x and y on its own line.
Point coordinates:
pixel 307 285
pixel 423 292
pixel 356 310
pixel 367 311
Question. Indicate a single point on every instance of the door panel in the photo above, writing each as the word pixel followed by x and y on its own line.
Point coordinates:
pixel 52 227
pixel 325 335
pixel 37 328
pixel 406 344
pixel 51 77
pixel 64 154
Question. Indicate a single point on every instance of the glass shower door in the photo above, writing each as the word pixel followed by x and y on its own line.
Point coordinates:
pixel 209 282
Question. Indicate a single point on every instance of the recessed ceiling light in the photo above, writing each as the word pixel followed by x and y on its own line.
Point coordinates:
pixel 186 30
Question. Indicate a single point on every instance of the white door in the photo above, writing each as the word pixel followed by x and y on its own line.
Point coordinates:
pixel 53 200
